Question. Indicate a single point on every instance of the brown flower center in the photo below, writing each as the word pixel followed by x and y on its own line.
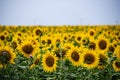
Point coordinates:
pixel 28 49
pixel 38 32
pixel 43 42
pixel 65 38
pixel 2 37
pixel 89 58
pixel 117 64
pixel 49 41
pixel 102 44
pixel 85 41
pixel 91 33
pixel 92 45
pixel 50 61
pixel 75 56
pixel 4 56
pixel 78 38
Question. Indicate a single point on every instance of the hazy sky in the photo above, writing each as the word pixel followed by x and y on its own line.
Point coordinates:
pixel 59 12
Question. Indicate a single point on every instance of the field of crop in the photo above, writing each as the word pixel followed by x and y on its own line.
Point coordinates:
pixel 60 52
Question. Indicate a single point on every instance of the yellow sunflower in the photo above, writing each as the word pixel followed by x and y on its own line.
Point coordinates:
pixel 74 56
pixel 78 37
pixel 49 62
pixel 37 31
pixel 116 65
pixel 43 41
pixel 65 37
pixel 6 55
pixel 89 59
pixel 2 37
pixel 103 61
pixel 27 48
pixel 102 43
pixel 85 39
pixel 92 32
pixel 49 41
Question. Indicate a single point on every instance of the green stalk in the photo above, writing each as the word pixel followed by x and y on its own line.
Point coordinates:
pixel 3 70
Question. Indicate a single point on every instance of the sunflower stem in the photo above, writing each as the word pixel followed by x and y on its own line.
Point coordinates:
pixel 3 70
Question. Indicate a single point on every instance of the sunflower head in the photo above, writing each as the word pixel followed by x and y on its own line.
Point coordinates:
pixel 2 37
pixel 27 48
pixel 74 56
pixel 85 41
pixel 116 65
pixel 92 45
pixel 91 32
pixel 49 62
pixel 6 55
pixel 89 59
pixel 102 43
pixel 38 32
pixel 78 37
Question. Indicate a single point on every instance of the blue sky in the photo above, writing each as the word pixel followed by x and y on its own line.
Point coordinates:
pixel 59 12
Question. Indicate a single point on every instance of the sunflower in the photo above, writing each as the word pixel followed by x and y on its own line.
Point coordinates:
pixel 74 56
pixel 116 65
pixel 37 31
pixel 89 59
pixel 19 33
pixel 65 37
pixel 27 48
pixel 2 37
pixel 103 61
pixel 49 62
pixel 102 43
pixel 85 39
pixel 78 38
pixel 6 55
pixel 49 41
pixel 43 41
pixel 92 32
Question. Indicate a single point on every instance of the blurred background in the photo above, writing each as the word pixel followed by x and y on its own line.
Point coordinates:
pixel 59 12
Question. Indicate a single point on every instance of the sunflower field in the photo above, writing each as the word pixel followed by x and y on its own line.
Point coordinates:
pixel 60 52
